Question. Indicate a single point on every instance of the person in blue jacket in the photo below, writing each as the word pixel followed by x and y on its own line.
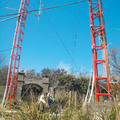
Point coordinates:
pixel 50 100
pixel 54 107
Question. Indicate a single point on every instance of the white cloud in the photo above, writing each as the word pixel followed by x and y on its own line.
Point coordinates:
pixel 70 70
pixel 65 66
pixel 77 74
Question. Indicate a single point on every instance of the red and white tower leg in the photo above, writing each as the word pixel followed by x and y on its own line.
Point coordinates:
pixel 10 91
pixel 97 31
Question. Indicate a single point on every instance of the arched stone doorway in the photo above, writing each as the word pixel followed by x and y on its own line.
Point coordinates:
pixel 30 91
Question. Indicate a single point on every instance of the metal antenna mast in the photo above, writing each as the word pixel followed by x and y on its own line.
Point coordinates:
pixel 40 9
pixel 97 31
pixel 11 85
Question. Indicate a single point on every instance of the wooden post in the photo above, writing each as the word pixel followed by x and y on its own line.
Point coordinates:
pixel 75 98
pixel 69 98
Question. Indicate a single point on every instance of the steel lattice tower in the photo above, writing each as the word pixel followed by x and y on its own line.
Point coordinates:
pixel 98 47
pixel 10 91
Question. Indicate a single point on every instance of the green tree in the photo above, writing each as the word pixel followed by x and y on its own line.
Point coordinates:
pixel 81 84
pixel 66 80
pixel 72 83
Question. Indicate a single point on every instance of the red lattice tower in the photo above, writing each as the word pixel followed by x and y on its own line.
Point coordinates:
pixel 10 91
pixel 97 31
pixel 98 47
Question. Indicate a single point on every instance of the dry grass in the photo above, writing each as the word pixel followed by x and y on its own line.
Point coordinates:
pixel 29 111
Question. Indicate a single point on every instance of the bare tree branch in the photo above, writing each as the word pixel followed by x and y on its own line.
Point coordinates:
pixel 114 60
pixel 2 60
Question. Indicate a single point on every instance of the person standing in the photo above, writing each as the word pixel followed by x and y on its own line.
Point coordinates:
pixel 42 102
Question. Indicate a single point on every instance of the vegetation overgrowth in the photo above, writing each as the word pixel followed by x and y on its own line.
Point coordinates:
pixel 29 111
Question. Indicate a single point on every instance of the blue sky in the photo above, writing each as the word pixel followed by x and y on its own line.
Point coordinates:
pixel 42 47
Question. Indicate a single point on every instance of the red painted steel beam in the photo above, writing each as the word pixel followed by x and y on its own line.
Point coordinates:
pixel 97 30
pixel 10 92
